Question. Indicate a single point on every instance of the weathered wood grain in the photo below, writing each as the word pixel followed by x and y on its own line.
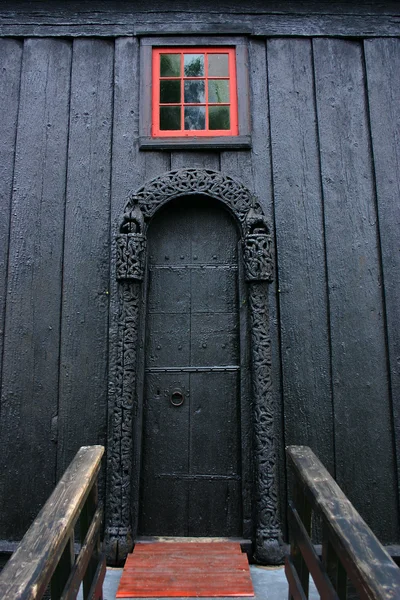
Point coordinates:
pixel 367 563
pixel 29 570
pixel 253 169
pixel 100 11
pixel 383 79
pixel 363 431
pixel 301 538
pixel 130 169
pixel 261 178
pixel 238 164
pixel 10 59
pixel 31 350
pixel 181 569
pixel 200 160
pixel 84 349
pixel 304 334
pixel 278 18
pixel 126 177
pixel 82 562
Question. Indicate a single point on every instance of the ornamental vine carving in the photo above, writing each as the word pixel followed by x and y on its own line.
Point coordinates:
pixel 130 261
pixel 269 546
pixel 184 182
pixel 119 539
pixel 131 246
pixel 257 248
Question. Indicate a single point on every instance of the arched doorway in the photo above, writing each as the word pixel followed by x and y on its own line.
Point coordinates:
pixel 128 350
pixel 192 459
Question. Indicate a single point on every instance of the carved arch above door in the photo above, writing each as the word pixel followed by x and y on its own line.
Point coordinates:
pixel 130 264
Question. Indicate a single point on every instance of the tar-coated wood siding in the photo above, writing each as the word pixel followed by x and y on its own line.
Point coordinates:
pixel 359 363
pixel 325 166
pixel 33 295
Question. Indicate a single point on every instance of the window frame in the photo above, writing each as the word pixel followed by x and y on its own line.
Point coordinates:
pixel 146 139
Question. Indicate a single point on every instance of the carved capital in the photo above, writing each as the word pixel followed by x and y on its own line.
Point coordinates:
pixel 257 248
pixel 131 254
pixel 131 246
pixel 257 254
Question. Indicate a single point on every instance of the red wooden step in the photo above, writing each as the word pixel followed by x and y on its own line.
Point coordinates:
pixel 179 569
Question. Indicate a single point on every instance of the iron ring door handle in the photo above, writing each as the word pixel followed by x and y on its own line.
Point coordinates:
pixel 177 398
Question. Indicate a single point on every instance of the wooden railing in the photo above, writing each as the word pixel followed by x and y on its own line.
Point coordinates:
pixel 46 554
pixel 354 564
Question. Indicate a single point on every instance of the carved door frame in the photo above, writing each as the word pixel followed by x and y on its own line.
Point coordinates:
pixel 130 246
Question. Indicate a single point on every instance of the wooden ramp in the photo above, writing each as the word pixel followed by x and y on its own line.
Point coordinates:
pixel 186 569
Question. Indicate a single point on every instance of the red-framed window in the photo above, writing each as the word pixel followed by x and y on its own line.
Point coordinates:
pixel 194 92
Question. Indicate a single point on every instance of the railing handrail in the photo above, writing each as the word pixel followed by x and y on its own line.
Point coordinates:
pixel 30 569
pixel 370 568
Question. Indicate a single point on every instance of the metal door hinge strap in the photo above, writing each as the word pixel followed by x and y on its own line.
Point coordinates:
pixel 199 266
pixel 192 369
pixel 197 477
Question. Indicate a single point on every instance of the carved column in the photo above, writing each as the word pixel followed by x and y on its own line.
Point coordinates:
pixel 131 249
pixel 257 252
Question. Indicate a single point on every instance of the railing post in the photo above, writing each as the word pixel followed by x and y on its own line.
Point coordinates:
pixel 87 515
pixel 333 566
pixel 63 570
pixel 304 511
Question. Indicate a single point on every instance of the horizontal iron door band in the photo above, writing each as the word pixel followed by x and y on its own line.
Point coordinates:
pixel 217 369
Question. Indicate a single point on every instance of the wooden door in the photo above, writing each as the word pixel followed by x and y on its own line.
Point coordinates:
pixel 191 459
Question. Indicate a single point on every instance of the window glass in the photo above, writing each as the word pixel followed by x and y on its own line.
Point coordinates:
pixel 170 91
pixel 218 91
pixel 219 117
pixel 193 65
pixel 194 91
pixel 195 118
pixel 218 65
pixel 170 118
pixel 170 65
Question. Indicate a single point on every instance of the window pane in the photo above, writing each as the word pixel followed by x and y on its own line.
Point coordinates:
pixel 170 117
pixel 195 117
pixel 219 117
pixel 170 65
pixel 218 91
pixel 170 91
pixel 194 65
pixel 194 92
pixel 218 65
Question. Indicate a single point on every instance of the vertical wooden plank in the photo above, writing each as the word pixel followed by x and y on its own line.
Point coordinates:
pixel 300 249
pixel 126 177
pixel 253 169
pixel 31 348
pixel 363 438
pixel 198 160
pixel 10 59
pixel 259 179
pixel 262 185
pixel 131 168
pixel 383 78
pixel 84 350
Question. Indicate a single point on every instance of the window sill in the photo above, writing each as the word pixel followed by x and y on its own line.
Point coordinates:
pixel 238 142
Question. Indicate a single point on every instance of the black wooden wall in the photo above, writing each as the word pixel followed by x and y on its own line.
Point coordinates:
pixel 325 164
